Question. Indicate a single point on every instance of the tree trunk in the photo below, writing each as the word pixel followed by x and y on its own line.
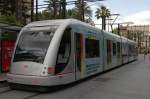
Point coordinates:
pixel 82 7
pixel 32 10
pixel 63 9
pixel 55 9
pixel 103 23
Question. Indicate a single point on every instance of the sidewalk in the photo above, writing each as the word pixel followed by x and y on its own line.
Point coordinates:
pixel 3 77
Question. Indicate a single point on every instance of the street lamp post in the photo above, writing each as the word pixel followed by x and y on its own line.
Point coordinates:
pixel 108 22
pixel 36 10
pixel 146 42
pixel 147 38
pixel 149 42
pixel 117 15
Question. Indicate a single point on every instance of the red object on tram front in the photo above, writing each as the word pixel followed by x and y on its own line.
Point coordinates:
pixel 7 50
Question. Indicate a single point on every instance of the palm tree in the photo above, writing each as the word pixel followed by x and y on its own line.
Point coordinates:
pixel 102 12
pixel 78 10
pixel 7 7
pixel 63 8
pixel 87 11
pixel 53 8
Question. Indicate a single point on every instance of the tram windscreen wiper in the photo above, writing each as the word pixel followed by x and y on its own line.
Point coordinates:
pixel 25 56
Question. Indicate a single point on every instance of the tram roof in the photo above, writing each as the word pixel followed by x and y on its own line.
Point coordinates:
pixel 51 22
pixel 58 22
pixel 64 22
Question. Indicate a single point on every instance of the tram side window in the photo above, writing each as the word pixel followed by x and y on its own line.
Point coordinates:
pixel 92 48
pixel 114 49
pixel 64 51
pixel 118 48
pixel 130 50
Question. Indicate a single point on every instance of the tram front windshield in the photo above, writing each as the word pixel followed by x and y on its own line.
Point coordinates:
pixel 33 44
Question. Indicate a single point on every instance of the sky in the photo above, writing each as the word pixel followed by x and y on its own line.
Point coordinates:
pixel 136 11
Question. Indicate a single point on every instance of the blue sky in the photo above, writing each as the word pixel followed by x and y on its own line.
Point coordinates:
pixel 127 7
pixel 137 11
pixel 129 10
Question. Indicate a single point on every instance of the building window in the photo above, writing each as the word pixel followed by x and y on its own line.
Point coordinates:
pixel 118 50
pixel 92 48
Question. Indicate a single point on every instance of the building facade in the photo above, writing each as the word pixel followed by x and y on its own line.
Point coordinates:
pixel 138 33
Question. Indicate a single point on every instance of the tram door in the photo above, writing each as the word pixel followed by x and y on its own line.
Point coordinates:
pixel 78 55
pixel 109 53
pixel 119 58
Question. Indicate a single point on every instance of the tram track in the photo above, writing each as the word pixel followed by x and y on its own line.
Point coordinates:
pixel 5 91
pixel 31 96
pixel 3 84
pixel 8 92
pixel 4 87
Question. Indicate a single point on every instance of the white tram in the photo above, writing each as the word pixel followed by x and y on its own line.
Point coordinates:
pixel 58 52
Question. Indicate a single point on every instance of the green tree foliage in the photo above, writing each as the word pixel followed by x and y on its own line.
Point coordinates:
pixel 10 19
pixel 54 8
pixel 76 12
pixel 102 12
pixel 44 15
pixel 87 10
pixel 72 13
pixel 115 31
pixel 7 7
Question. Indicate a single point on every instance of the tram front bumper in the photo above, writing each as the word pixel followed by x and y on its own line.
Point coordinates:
pixel 33 80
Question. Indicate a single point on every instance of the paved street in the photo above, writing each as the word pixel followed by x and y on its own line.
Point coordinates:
pixel 131 81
